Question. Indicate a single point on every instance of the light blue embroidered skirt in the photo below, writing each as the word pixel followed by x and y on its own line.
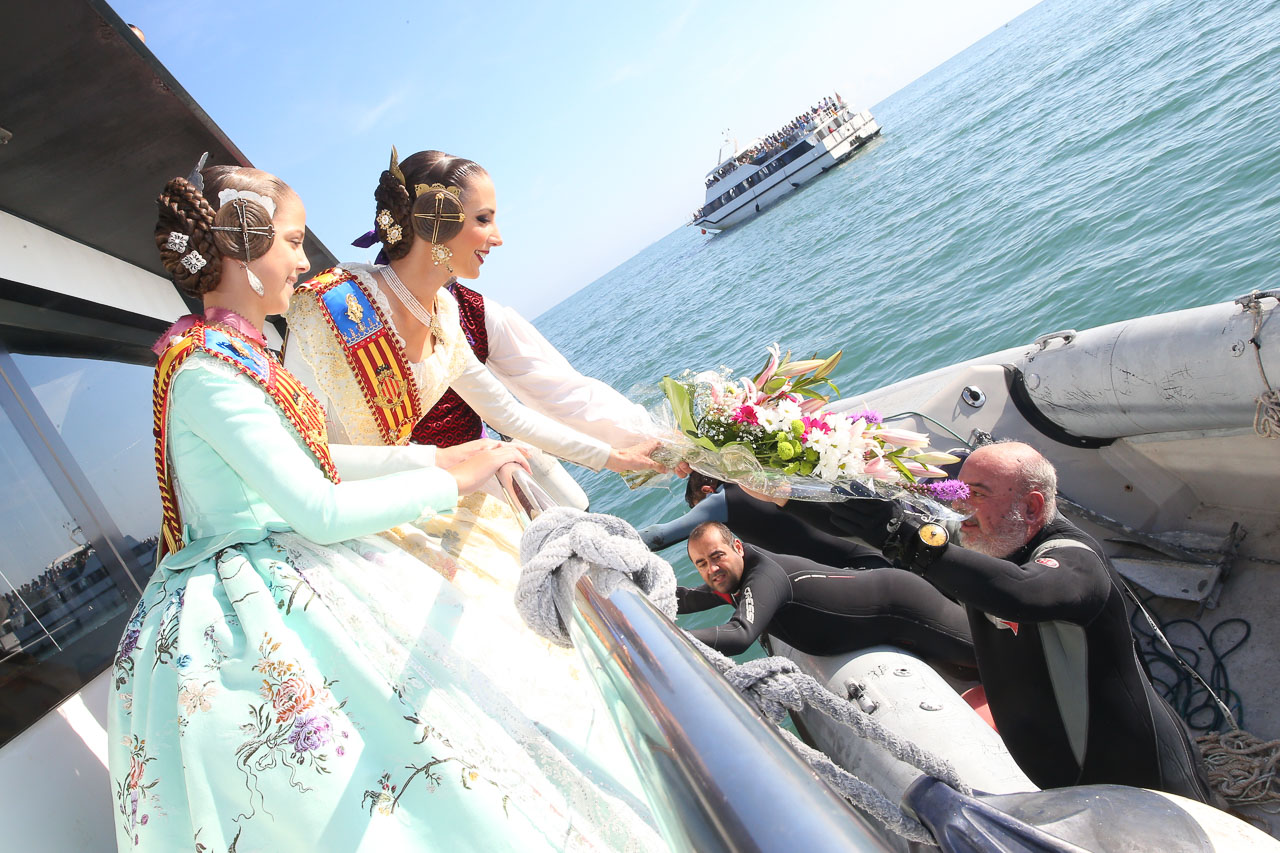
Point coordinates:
pixel 280 695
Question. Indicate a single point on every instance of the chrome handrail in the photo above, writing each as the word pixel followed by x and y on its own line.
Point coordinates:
pixel 717 774
pixel 525 497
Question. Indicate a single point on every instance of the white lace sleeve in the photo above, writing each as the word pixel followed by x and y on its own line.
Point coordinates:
pixel 544 380
pixel 495 405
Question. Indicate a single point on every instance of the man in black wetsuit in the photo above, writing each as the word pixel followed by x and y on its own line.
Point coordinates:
pixel 1049 624
pixel 817 609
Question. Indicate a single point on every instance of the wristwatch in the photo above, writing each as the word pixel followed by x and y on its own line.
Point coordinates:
pixel 931 541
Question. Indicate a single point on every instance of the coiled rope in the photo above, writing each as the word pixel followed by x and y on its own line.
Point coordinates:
pixel 1266 419
pixel 1242 767
pixel 562 544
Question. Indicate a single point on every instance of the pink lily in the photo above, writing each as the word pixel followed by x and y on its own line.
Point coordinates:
pixel 902 437
pixel 799 368
pixel 813 404
pixel 770 368
pixel 918 470
pixel 878 468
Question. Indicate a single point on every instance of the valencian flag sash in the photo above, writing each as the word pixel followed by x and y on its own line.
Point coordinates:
pixel 299 406
pixel 372 352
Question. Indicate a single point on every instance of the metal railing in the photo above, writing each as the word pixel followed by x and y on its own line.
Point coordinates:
pixel 717 774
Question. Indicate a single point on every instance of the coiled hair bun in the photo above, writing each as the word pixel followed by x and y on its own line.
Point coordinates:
pixel 400 199
pixel 437 214
pixel 243 229
pixel 184 230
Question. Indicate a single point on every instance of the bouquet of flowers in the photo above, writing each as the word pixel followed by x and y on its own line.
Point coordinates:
pixel 770 434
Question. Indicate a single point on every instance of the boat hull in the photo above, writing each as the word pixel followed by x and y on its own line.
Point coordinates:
pixel 829 151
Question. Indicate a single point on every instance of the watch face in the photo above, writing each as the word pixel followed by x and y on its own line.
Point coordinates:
pixel 934 535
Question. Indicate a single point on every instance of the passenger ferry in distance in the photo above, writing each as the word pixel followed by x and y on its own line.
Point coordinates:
pixel 749 180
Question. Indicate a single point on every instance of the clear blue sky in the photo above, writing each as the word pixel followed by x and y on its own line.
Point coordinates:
pixel 597 120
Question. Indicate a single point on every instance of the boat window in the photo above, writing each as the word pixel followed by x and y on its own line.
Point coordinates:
pixel 102 411
pixel 78 523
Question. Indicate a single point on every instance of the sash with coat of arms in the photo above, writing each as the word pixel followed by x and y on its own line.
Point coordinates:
pixel 299 406
pixel 372 353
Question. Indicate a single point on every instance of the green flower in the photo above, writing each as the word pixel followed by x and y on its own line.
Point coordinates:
pixel 792 468
pixel 797 428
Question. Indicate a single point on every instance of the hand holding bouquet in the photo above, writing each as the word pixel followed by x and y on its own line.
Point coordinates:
pixel 770 434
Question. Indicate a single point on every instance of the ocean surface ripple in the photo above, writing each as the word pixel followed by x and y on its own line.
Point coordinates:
pixel 1087 163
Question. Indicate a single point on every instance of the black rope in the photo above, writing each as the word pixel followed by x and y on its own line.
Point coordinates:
pixel 1187 696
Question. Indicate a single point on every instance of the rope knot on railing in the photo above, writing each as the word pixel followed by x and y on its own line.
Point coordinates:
pixel 767 682
pixel 562 544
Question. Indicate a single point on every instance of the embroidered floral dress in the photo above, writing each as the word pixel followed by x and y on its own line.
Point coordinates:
pixel 477 547
pixel 287 682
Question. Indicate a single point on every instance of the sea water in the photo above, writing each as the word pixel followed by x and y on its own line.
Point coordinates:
pixel 1088 162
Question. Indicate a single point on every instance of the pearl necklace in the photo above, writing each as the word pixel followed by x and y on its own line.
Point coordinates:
pixel 408 300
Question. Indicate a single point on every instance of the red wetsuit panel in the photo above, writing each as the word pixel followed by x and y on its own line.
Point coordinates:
pixel 451 421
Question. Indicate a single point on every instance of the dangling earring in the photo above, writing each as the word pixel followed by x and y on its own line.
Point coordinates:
pixel 440 254
pixel 254 281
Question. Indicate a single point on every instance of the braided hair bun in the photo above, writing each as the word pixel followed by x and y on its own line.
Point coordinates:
pixel 185 239
pixel 395 230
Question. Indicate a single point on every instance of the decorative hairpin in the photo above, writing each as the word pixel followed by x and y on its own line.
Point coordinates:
pixel 196 179
pixel 244 229
pixel 248 195
pixel 419 190
pixel 389 227
pixel 194 261
pixel 177 241
pixel 439 215
pixel 394 168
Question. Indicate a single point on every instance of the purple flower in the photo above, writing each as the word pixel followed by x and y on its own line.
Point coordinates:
pixel 310 733
pixel 129 643
pixel 948 490
pixel 867 415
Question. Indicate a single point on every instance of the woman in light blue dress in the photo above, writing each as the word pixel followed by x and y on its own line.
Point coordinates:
pixel 285 681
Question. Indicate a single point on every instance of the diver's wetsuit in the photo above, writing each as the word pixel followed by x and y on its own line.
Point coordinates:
pixel 1058 613
pixel 765 526
pixel 824 611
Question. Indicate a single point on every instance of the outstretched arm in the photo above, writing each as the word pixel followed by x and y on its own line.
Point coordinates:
pixel 235 418
pixel 665 534
pixel 1068 584
pixel 697 599
pixel 543 379
pixel 495 405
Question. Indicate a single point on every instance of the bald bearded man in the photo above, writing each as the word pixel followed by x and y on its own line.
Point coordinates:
pixel 1049 623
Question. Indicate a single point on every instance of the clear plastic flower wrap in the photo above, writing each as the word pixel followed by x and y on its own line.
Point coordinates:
pixel 771 435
